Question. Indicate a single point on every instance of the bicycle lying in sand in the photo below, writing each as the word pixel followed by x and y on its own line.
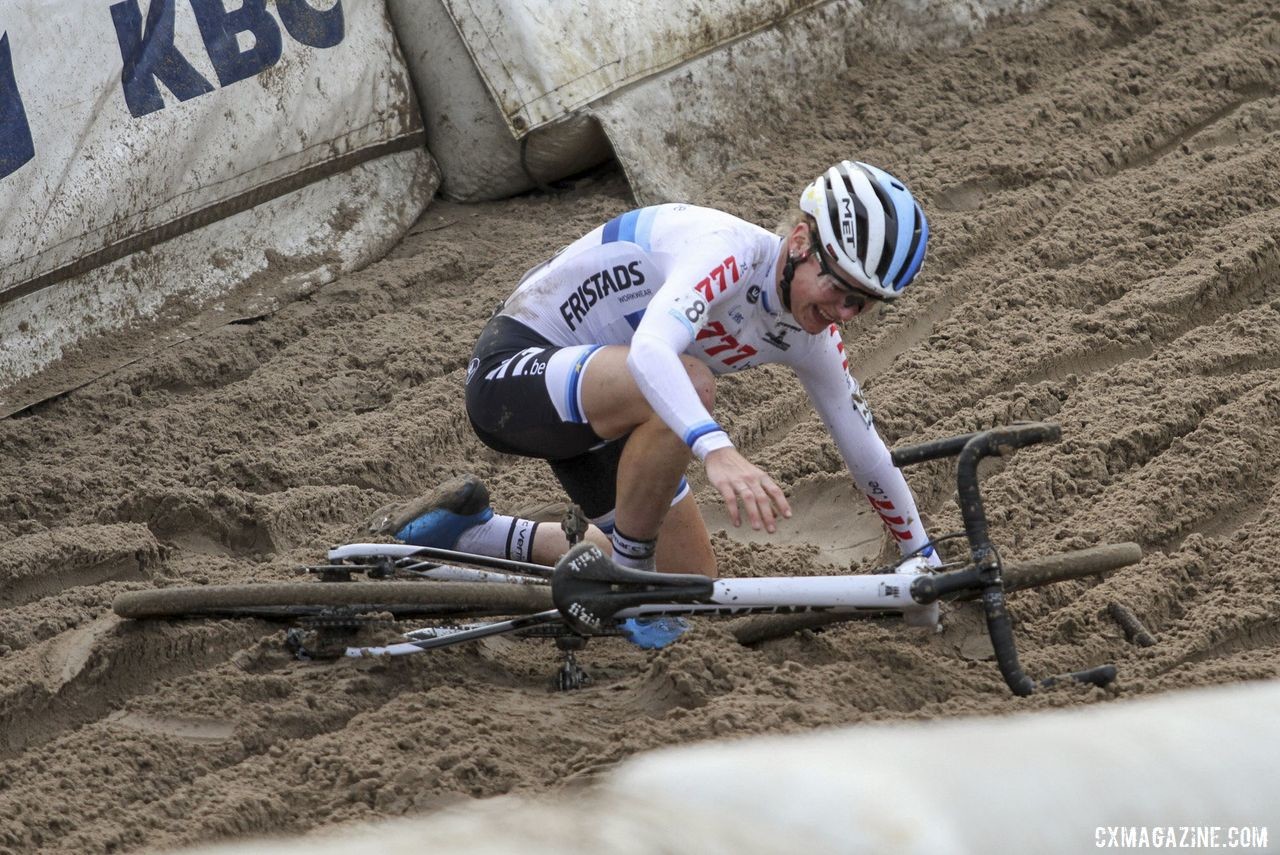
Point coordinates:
pixel 587 595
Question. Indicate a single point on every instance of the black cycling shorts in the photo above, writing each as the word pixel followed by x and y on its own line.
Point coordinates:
pixel 523 398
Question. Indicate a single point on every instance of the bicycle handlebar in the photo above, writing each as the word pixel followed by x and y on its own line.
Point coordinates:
pixel 1013 436
pixel 971 448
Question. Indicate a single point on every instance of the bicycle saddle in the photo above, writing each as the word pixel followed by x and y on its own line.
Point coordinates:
pixel 589 589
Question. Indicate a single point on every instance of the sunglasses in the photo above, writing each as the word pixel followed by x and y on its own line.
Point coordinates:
pixel 854 298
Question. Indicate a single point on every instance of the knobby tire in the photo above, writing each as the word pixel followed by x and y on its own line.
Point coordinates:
pixel 291 599
pixel 476 599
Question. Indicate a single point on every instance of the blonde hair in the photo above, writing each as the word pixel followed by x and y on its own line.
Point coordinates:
pixel 793 218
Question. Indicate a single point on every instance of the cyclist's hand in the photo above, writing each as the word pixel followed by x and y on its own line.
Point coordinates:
pixel 738 479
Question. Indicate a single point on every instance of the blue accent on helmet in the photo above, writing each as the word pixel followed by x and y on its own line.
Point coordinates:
pixel 917 259
pixel 906 217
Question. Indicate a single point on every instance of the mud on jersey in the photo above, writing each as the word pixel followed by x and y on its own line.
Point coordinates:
pixel 679 279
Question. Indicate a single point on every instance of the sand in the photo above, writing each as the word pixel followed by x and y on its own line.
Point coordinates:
pixel 1102 180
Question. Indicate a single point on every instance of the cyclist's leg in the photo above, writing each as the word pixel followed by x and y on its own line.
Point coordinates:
pixel 521 398
pixel 527 397
pixel 590 480
pixel 653 462
pixel 683 543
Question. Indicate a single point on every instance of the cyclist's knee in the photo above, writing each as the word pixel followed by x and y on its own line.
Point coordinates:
pixel 704 382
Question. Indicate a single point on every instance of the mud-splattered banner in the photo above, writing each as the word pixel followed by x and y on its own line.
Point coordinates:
pixel 125 123
pixel 568 55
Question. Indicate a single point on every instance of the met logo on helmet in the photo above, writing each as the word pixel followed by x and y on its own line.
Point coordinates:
pixel 847 231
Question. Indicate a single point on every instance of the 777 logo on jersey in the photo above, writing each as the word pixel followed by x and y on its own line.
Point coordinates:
pixel 718 280
pixel 724 346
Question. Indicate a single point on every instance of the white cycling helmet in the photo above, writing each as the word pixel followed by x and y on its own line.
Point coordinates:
pixel 869 226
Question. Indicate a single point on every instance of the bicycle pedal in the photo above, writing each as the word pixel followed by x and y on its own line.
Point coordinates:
pixel 571 676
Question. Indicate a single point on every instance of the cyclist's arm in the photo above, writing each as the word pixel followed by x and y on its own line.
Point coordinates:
pixel 671 323
pixel 839 402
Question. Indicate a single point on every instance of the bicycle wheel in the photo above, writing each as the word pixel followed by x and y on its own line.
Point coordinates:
pixel 295 599
pixel 757 628
pixel 1070 565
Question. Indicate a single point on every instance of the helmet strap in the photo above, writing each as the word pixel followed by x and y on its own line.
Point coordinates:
pixel 788 271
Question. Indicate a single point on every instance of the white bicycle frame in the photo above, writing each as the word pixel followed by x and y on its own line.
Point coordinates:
pixel 590 592
pixel 888 593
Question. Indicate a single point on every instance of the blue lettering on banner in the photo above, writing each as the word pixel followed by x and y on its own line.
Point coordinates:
pixel 16 145
pixel 311 26
pixel 149 54
pixel 219 28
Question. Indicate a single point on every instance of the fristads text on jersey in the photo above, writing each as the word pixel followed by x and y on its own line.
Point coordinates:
pixel 598 286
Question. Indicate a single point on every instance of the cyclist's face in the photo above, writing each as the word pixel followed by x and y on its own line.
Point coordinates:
pixel 824 298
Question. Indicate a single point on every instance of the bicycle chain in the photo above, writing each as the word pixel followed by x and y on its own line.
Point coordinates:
pixel 342 619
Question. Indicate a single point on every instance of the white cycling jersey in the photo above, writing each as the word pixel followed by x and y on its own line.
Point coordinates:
pixel 673 279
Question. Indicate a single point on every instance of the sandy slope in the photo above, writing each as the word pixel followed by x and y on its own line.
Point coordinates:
pixel 1103 182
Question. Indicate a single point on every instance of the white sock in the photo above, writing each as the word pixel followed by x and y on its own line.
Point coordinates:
pixel 500 537
pixel 633 553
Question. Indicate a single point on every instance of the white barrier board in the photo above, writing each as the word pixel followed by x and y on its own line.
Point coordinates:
pixel 509 87
pixel 542 61
pixel 245 265
pixel 126 122
pixel 1194 770
pixel 722 109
